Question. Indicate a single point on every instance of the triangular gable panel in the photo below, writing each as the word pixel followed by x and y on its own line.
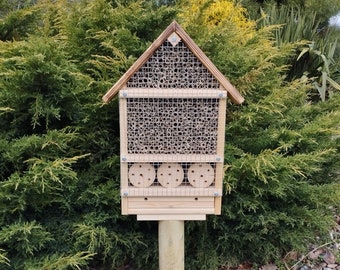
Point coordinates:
pixel 174 61
pixel 173 65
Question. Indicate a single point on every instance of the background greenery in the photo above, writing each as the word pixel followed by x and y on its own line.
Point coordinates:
pixel 59 145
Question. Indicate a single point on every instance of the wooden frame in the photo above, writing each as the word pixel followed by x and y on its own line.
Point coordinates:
pixel 187 200
pixel 162 203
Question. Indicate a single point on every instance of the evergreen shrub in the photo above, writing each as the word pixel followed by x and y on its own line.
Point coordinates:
pixel 59 145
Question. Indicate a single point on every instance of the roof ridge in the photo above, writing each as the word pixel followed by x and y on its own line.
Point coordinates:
pixel 174 27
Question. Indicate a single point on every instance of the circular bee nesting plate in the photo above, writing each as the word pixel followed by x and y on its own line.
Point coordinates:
pixel 170 175
pixel 142 175
pixel 201 175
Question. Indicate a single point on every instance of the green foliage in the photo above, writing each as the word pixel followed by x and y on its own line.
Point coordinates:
pixel 315 47
pixel 281 163
pixel 59 177
pixel 59 146
pixel 16 24
pixel 24 238
pixel 77 261
pixel 3 258
pixel 324 9
pixel 106 39
pixel 39 75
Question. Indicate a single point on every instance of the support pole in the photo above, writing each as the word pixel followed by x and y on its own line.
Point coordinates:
pixel 171 244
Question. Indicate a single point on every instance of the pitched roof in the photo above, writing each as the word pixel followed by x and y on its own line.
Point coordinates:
pixel 174 27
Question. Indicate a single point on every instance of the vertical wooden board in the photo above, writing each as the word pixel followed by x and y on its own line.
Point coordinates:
pixel 219 176
pixel 218 205
pixel 124 183
pixel 219 185
pixel 123 152
pixel 123 127
pixel 124 206
pixel 124 177
pixel 221 127
pixel 220 153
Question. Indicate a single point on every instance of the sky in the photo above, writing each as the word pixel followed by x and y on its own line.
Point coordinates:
pixel 335 20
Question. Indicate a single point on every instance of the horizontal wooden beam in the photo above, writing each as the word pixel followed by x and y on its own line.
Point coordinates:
pixel 156 191
pixel 171 93
pixel 171 217
pixel 171 158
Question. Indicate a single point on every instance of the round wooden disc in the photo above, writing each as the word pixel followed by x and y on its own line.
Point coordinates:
pixel 201 175
pixel 142 175
pixel 170 174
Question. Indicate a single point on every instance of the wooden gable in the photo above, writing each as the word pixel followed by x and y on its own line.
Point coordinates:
pixel 172 104
pixel 204 75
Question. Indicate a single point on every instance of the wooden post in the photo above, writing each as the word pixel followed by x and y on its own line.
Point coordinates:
pixel 171 244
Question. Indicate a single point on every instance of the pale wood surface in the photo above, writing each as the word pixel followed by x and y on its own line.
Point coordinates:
pixel 123 126
pixel 172 217
pixel 170 175
pixel 171 158
pixel 201 175
pixel 184 191
pixel 171 93
pixel 170 205
pixel 142 175
pixel 219 186
pixel 218 205
pixel 159 211
pixel 221 127
pixel 171 244
pixel 124 185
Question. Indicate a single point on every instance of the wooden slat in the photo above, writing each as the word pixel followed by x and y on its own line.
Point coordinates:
pixel 166 205
pixel 172 93
pixel 220 152
pixel 221 127
pixel 123 126
pixel 164 211
pixel 219 176
pixel 123 186
pixel 170 202
pixel 171 211
pixel 156 191
pixel 171 158
pixel 171 217
pixel 218 205
pixel 124 206
pixel 219 185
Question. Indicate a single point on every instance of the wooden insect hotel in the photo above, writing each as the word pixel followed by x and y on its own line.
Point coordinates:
pixel 172 104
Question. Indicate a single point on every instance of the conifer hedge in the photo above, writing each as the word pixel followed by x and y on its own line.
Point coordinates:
pixel 59 145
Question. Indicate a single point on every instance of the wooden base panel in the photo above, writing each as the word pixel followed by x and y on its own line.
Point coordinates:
pixel 170 217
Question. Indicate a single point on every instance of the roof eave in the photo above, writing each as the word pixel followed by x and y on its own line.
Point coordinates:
pixel 233 94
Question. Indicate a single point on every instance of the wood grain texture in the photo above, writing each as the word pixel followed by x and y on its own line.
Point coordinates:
pixel 171 245
pixel 158 217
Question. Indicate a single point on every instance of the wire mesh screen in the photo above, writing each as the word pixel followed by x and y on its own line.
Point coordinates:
pixel 172 125
pixel 173 66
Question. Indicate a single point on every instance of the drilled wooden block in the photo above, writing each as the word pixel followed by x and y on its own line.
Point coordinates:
pixel 201 175
pixel 170 174
pixel 142 175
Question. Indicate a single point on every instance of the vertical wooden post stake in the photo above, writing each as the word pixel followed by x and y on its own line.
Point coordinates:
pixel 171 244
